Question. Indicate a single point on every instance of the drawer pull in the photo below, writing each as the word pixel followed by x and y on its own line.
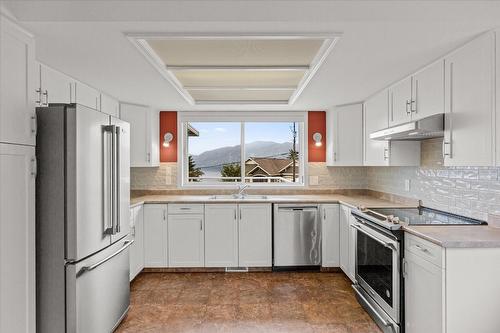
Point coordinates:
pixel 423 249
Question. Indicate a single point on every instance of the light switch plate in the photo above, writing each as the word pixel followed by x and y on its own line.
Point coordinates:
pixel 313 180
pixel 407 185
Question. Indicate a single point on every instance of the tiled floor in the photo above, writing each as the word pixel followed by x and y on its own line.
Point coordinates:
pixel 245 302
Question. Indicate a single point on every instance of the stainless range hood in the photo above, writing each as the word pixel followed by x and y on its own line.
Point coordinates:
pixel 426 128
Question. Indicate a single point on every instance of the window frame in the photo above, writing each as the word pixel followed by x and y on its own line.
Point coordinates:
pixel 241 117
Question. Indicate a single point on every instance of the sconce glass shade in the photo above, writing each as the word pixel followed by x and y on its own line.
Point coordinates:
pixel 317 139
pixel 167 138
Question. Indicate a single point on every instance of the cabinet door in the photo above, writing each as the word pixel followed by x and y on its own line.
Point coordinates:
pixel 186 240
pixel 255 240
pixel 469 104
pixel 345 136
pixel 88 96
pixel 155 235
pixel 17 238
pixel 144 134
pixel 399 102
pixel 330 245
pixel 428 91
pixel 137 248
pixel 376 118
pixel 423 295
pixel 351 269
pixel 110 106
pixel 55 86
pixel 345 212
pixel 18 84
pixel 221 235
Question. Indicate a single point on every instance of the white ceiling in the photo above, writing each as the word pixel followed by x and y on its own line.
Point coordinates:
pixel 382 41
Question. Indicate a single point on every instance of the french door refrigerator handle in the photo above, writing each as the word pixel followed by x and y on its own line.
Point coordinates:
pixel 99 263
pixel 107 186
pixel 116 178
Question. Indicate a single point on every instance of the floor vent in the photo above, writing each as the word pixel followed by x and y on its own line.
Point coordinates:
pixel 236 269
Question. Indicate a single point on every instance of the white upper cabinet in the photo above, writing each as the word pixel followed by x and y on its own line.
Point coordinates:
pixel 255 235
pixel 428 91
pixel 109 105
pixel 86 95
pixel 400 102
pixel 55 87
pixel 344 144
pixel 385 153
pixel 417 96
pixel 376 110
pixel 18 83
pixel 469 104
pixel 17 238
pixel 221 235
pixel 330 243
pixel 144 134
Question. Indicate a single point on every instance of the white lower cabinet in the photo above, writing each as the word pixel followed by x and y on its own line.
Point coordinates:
pixel 450 290
pixel 347 242
pixel 186 238
pixel 423 294
pixel 17 238
pixel 137 235
pixel 155 235
pixel 330 226
pixel 221 235
pixel 255 235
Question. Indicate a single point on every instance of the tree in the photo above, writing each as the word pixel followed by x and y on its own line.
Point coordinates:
pixel 293 154
pixel 231 170
pixel 194 171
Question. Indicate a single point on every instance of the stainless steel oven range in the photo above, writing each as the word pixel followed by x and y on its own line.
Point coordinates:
pixel 379 258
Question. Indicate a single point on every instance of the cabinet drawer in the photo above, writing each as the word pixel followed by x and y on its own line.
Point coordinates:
pixel 424 249
pixel 185 209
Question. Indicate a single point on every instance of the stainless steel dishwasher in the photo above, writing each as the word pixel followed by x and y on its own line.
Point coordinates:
pixel 297 235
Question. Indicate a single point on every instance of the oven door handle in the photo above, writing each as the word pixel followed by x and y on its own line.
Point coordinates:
pixel 388 245
pixel 382 319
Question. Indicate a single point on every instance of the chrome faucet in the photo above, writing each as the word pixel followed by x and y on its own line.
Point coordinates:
pixel 241 189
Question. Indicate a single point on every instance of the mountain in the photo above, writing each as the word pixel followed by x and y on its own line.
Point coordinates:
pixel 225 155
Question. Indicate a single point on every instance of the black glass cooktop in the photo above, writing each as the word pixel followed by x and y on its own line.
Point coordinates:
pixel 427 216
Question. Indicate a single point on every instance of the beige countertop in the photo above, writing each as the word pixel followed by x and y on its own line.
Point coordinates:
pixel 458 236
pixel 351 200
pixel 445 236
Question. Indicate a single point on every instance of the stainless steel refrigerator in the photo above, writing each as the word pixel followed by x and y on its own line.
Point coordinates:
pixel 82 218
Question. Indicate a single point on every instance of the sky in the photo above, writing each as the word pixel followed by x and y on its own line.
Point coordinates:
pixel 217 135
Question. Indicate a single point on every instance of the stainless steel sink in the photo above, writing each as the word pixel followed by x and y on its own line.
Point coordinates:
pixel 238 197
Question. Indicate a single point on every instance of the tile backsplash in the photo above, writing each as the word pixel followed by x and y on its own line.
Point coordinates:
pixel 469 191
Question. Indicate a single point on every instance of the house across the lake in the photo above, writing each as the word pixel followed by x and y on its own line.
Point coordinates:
pixel 271 170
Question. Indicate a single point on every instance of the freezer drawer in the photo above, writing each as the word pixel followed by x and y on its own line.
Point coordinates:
pixel 297 236
pixel 98 290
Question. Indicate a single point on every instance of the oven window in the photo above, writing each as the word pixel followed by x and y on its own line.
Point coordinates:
pixel 374 264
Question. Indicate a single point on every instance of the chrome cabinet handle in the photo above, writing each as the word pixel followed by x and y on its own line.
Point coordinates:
pixel 164 215
pixel 34 167
pixel 240 214
pixel 386 154
pixel 34 125
pixel 324 213
pixel 334 156
pixel 423 249
pixel 148 157
pixel 97 264
pixel 445 144
pixel 201 225
pixel 408 104
pixel 39 100
pixel 235 214
pixel 46 94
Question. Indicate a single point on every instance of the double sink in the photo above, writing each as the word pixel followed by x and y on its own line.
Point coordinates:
pixel 238 197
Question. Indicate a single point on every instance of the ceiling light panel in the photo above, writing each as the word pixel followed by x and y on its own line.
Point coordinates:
pixel 236 52
pixel 238 69
pixel 233 78
pixel 240 96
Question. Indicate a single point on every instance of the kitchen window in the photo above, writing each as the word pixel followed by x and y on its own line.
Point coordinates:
pixel 238 148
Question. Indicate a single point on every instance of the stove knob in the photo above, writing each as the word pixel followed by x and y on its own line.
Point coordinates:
pixel 395 220
pixel 390 218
